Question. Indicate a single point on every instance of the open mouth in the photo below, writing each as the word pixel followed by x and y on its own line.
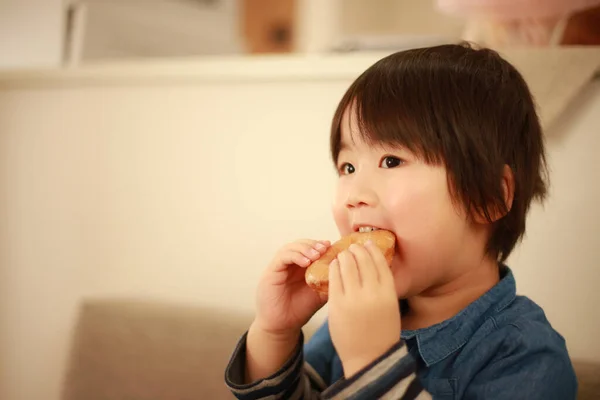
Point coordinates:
pixel 365 228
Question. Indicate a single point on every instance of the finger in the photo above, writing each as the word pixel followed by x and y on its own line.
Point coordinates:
pixel 322 246
pixel 307 250
pixel 293 257
pixel 336 286
pixel 349 272
pixel 381 264
pixel 369 275
pixel 301 253
pixel 317 244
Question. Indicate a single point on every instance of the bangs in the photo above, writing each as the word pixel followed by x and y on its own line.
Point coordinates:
pixel 393 105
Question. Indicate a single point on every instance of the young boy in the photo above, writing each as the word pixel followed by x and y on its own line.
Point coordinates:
pixel 441 146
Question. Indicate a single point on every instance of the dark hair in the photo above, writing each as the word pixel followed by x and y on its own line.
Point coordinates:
pixel 466 109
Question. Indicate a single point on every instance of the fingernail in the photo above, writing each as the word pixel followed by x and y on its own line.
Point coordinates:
pixel 369 243
pixel 320 246
pixel 314 253
pixel 306 260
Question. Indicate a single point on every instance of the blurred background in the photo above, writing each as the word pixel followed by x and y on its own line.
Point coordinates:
pixel 154 154
pixel 63 32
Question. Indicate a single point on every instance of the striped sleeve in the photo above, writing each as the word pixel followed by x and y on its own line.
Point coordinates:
pixel 391 376
pixel 295 380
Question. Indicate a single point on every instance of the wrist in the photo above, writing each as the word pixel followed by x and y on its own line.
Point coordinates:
pixel 275 336
pixel 267 352
pixel 353 365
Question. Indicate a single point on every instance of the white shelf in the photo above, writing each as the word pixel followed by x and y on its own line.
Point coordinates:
pixel 555 75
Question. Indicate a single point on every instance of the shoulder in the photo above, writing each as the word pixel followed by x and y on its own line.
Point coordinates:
pixel 523 328
pixel 519 325
pixel 524 323
pixel 526 355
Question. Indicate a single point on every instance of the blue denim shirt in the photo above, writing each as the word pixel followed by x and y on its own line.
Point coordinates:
pixel 499 347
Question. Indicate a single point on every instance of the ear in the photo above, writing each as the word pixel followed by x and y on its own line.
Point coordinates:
pixel 508 188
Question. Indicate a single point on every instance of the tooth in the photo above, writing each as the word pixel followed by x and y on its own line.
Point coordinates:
pixel 367 229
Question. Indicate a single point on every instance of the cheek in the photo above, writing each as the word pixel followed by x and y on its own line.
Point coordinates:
pixel 421 207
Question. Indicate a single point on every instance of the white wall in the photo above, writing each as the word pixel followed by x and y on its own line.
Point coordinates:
pixel 182 188
pixel 31 33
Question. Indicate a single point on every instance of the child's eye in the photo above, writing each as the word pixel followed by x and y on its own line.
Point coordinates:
pixel 390 162
pixel 347 169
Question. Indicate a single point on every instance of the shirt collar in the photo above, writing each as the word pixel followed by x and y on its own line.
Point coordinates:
pixel 439 341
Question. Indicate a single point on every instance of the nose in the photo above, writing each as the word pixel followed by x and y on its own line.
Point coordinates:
pixel 360 194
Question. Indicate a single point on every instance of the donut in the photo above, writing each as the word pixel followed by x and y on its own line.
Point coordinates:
pixel 317 274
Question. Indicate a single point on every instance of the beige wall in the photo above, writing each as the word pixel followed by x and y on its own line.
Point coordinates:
pixel 183 189
pixel 322 24
pixel 31 33
pixel 411 17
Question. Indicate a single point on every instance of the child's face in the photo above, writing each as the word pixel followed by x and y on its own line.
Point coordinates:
pixel 390 188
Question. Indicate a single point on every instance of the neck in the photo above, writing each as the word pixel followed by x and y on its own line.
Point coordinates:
pixel 446 300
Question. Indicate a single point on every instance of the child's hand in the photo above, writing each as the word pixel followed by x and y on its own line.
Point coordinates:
pixel 284 301
pixel 364 314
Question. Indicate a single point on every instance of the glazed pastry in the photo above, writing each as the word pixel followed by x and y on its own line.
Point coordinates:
pixel 317 274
